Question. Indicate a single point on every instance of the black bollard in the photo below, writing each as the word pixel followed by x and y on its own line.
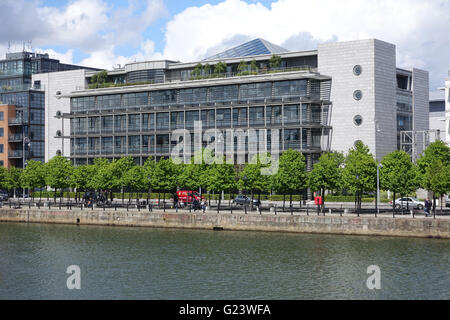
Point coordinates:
pixel 275 209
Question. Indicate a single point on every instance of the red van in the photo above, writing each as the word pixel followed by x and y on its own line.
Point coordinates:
pixel 187 196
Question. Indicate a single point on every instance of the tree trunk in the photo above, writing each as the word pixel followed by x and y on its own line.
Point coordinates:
pixel 284 200
pixel 434 203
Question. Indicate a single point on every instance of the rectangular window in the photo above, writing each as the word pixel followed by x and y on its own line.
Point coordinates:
pixel 273 115
pixel 292 114
pixel 240 117
pixel 2 115
pixel 1 148
pixel 1 132
pixel 134 121
pixel 134 144
pixel 162 121
pixel 256 116
pixel 191 116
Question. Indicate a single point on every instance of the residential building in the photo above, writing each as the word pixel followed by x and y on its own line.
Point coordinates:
pixel 17 88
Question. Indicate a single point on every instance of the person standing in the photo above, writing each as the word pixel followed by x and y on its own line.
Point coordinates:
pixel 427 207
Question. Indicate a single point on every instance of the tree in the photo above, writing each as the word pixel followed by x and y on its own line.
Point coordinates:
pixel 59 171
pixel 291 176
pixel 359 172
pixel 165 176
pixel 437 150
pixel 81 177
pixel 220 67
pixel 437 179
pixel 242 67
pixel 253 66
pixel 221 177
pixel 207 69
pixel 197 72
pixel 149 172
pixel 251 179
pixel 326 173
pixel 275 61
pixel 102 174
pixel 398 174
pixel 118 169
pixel 99 78
pixel 134 179
pixel 12 178
pixel 33 176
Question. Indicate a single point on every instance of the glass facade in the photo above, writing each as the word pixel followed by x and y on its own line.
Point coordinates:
pixel 140 123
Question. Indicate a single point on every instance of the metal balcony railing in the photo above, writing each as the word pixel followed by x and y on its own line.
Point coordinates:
pixel 15 137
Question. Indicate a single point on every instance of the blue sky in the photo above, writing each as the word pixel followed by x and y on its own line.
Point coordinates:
pixel 105 33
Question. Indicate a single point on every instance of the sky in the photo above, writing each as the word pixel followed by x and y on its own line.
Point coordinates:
pixel 106 33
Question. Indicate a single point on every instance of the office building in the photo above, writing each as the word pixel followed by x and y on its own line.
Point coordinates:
pixel 136 110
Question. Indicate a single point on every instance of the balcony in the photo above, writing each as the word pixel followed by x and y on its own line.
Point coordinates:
pixel 17 122
pixel 15 137
pixel 22 87
pixel 18 154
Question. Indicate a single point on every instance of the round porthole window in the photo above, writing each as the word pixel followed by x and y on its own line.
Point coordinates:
pixel 357 94
pixel 357 70
pixel 357 120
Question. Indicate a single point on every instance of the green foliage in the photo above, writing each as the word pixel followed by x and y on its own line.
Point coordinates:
pixel 207 69
pixel 33 176
pixel 275 61
pixel 251 177
pixel 398 174
pixel 81 177
pixel 243 66
pixel 58 172
pixel 436 150
pixel 134 178
pixel 197 72
pixel 291 176
pixel 12 178
pixel 437 177
pixel 220 67
pixel 253 66
pixel 360 170
pixel 165 175
pixel 220 177
pixel 102 176
pixel 326 173
pixel 99 79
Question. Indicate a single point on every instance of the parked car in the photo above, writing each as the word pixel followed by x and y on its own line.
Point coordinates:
pixel 447 203
pixel 244 200
pixel 409 202
pixel 4 195
pixel 187 196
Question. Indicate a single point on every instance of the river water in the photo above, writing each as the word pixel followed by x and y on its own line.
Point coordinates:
pixel 148 263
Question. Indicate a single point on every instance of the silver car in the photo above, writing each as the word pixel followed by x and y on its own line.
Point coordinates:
pixel 409 202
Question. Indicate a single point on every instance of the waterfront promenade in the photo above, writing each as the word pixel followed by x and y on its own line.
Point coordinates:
pixel 301 220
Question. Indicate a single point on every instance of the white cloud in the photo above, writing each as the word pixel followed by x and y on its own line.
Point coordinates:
pixel 107 59
pixel 419 29
pixel 66 57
